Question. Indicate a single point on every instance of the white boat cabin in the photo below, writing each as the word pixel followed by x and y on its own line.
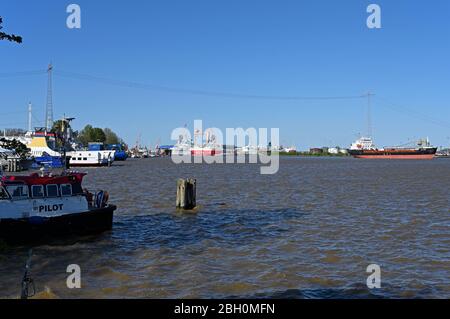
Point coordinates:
pixel 41 196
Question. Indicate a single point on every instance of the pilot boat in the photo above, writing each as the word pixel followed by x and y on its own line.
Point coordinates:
pixel 44 206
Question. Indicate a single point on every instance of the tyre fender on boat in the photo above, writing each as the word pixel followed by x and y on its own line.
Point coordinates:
pixel 101 199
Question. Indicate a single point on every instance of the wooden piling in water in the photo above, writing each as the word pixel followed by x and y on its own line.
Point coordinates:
pixel 186 194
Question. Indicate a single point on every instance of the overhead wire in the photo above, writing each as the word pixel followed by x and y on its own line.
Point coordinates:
pixel 412 113
pixel 138 85
pixel 22 73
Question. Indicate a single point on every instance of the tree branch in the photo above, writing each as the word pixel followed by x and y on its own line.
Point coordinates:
pixel 9 37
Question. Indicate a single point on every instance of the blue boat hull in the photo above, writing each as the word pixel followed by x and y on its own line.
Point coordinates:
pixel 48 161
pixel 120 156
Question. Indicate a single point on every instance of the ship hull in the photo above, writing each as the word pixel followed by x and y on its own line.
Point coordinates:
pixel 205 152
pixel 89 164
pixel 38 230
pixel 401 154
pixel 120 156
pixel 398 157
pixel 48 161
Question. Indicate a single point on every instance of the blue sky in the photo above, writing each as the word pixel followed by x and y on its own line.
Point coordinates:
pixel 250 47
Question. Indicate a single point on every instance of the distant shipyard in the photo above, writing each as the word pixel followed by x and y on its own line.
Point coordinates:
pixel 56 145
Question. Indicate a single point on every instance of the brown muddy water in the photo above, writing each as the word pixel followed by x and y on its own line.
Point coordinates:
pixel 309 231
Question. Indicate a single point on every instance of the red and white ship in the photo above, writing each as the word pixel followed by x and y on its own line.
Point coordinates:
pixel 38 207
pixel 210 148
pixel 207 150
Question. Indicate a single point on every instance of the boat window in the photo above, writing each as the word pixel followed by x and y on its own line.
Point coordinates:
pixel 3 194
pixel 66 190
pixel 52 190
pixel 77 189
pixel 37 191
pixel 18 191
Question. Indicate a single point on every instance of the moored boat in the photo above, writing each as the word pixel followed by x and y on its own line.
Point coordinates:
pixel 207 150
pixel 48 161
pixel 120 153
pixel 42 147
pixel 90 159
pixel 96 155
pixel 6 155
pixel 181 148
pixel 40 207
pixel 247 150
pixel 209 147
pixel 443 153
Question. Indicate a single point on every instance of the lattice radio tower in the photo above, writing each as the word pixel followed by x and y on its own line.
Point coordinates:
pixel 49 109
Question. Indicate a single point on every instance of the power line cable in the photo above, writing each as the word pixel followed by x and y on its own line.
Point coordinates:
pixel 413 113
pixel 138 85
pixel 16 123
pixel 23 73
pixel 13 113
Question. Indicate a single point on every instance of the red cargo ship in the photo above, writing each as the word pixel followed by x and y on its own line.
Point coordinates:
pixel 364 148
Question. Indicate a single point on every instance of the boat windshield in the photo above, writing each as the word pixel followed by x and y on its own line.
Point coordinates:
pixel 18 191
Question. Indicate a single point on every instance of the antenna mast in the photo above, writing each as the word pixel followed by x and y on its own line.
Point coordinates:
pixel 369 115
pixel 49 109
pixel 29 117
